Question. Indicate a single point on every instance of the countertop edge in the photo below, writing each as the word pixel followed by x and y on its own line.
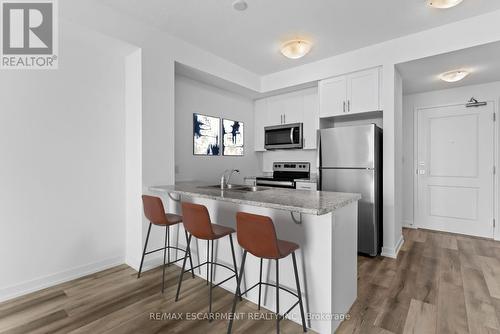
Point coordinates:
pixel 317 212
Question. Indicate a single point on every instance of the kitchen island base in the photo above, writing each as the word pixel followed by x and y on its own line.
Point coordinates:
pixel 327 259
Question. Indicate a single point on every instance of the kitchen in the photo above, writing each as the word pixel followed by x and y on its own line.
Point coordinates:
pixel 369 175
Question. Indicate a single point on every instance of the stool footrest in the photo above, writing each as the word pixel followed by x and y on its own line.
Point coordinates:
pixel 273 286
pixel 160 249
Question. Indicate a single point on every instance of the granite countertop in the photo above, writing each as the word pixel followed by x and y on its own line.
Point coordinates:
pixel 308 202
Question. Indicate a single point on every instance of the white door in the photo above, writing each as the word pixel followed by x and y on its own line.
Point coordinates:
pixel 455 177
pixel 332 97
pixel 363 91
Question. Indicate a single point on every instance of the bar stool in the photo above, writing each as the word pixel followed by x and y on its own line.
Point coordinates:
pixel 256 234
pixel 154 211
pixel 197 223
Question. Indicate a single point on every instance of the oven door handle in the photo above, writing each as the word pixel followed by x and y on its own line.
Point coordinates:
pixel 291 136
pixel 276 183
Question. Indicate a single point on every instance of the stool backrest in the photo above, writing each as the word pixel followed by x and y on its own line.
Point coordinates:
pixel 197 220
pixel 257 235
pixel 153 210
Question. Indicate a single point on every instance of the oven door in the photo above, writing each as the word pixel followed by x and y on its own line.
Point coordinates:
pixel 283 136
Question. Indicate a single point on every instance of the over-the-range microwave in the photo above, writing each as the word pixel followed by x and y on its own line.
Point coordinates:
pixel 285 136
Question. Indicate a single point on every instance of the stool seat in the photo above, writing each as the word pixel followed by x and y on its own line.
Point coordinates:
pixel 286 248
pixel 173 219
pixel 221 231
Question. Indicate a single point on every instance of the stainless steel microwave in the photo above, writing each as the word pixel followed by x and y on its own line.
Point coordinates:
pixel 285 136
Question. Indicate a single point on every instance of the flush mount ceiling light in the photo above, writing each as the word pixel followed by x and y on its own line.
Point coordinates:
pixel 443 3
pixel 240 5
pixel 454 76
pixel 296 48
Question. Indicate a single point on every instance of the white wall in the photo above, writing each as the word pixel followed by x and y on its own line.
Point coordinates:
pixel 484 92
pixel 62 176
pixel 195 97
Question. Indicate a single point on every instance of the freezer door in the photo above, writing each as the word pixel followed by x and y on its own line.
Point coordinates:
pixel 348 147
pixel 360 181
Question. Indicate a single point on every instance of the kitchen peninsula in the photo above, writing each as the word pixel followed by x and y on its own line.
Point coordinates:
pixel 324 224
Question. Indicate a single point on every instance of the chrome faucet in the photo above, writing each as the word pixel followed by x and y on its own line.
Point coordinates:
pixel 231 174
pixel 224 182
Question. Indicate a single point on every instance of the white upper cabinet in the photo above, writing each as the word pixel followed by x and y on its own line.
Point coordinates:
pixel 350 94
pixel 260 121
pixel 333 96
pixel 296 107
pixel 310 115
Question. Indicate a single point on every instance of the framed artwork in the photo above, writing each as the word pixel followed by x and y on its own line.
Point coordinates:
pixel 206 135
pixel 232 138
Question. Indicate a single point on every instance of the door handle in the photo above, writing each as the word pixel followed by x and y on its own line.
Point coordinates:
pixel 343 106
pixel 348 105
pixel 281 119
pixel 284 118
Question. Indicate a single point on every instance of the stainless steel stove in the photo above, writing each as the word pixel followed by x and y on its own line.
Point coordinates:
pixel 285 174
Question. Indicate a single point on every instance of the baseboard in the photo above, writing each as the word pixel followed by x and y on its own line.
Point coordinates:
pixel 393 252
pixel 409 224
pixel 36 284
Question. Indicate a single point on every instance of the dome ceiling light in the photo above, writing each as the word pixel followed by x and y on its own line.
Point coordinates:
pixel 454 76
pixel 443 3
pixel 296 48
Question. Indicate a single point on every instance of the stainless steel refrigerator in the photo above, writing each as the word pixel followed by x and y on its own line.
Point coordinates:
pixel 351 161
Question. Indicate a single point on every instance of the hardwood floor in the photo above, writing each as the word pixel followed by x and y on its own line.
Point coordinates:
pixel 440 283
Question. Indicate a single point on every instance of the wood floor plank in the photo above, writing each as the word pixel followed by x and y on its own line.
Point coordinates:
pixel 491 272
pixel 421 318
pixel 451 312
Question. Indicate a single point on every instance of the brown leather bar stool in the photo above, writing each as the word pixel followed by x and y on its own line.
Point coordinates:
pixel 256 234
pixel 197 222
pixel 154 211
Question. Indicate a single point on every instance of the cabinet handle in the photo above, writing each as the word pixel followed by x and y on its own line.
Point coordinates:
pixel 284 118
pixel 349 105
pixel 344 106
pixel 281 119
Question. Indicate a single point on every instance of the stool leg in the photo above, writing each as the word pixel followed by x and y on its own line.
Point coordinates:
pixel 277 297
pixel 168 245
pixel 164 258
pixel 299 292
pixel 183 267
pixel 233 309
pixel 144 252
pixel 208 257
pixel 188 251
pixel 260 280
pixel 211 281
pixel 238 292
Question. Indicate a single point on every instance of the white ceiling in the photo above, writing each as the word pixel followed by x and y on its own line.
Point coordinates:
pixel 422 75
pixel 252 38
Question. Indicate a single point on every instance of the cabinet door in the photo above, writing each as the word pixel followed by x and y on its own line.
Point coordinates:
pixel 363 91
pixel 332 96
pixel 293 106
pixel 275 110
pixel 260 121
pixel 310 115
